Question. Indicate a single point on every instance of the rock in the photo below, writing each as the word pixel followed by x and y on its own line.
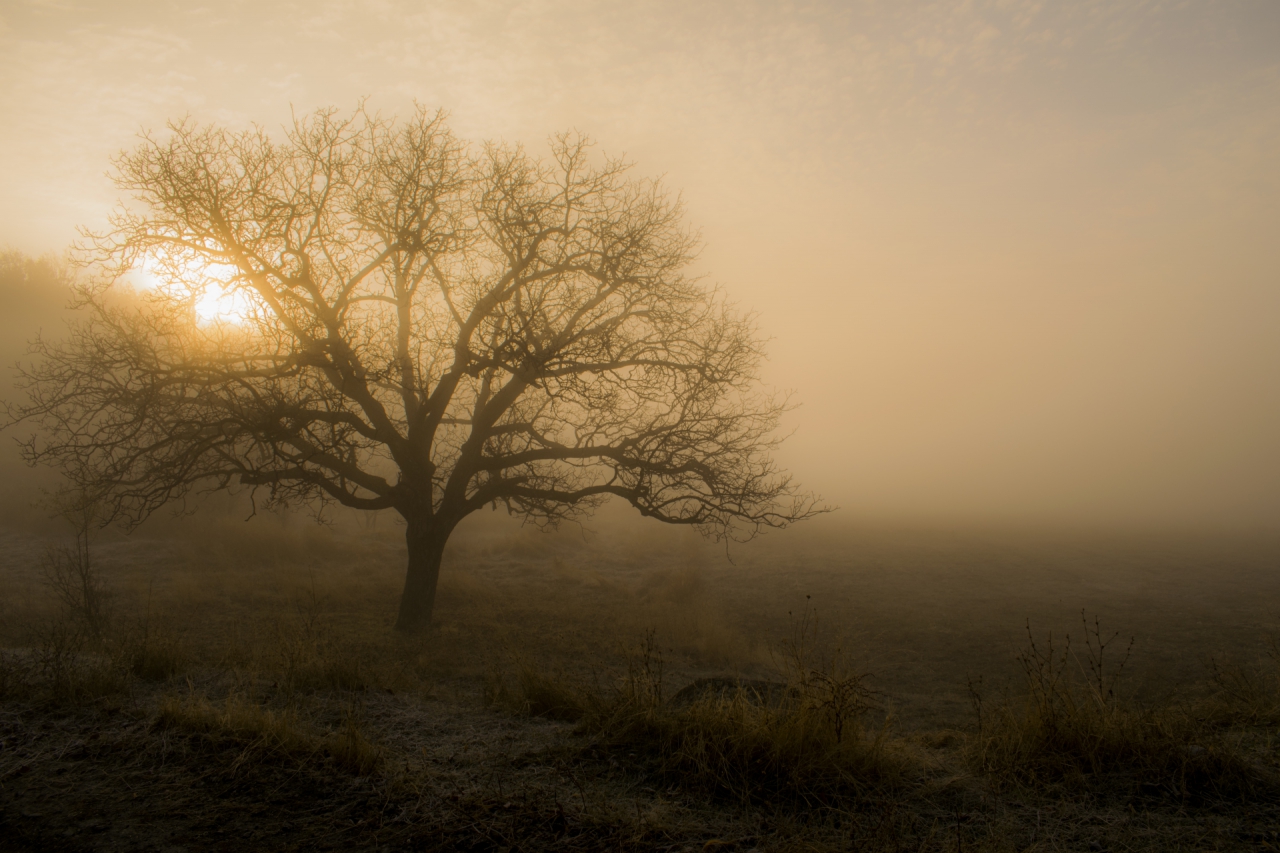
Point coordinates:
pixel 769 694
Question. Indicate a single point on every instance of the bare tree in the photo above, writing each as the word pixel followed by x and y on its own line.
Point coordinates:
pixel 410 323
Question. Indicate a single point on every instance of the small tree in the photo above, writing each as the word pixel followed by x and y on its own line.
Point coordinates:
pixel 71 572
pixel 374 313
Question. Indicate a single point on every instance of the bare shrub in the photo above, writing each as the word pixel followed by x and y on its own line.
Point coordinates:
pixel 825 680
pixel 1247 693
pixel 66 665
pixel 72 575
pixel 15 674
pixel 310 657
pixel 1070 727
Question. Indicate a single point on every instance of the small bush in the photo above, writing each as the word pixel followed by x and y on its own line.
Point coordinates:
pixel 1071 728
pixel 1248 694
pixel 72 576
pixel 15 674
pixel 63 665
pixel 71 572
pixel 311 658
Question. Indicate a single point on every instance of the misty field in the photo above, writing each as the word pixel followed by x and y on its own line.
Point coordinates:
pixel 221 685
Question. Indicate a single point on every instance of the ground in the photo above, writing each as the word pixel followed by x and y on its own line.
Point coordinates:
pixel 248 692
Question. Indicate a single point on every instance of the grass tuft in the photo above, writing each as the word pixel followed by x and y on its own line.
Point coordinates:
pixel 266 731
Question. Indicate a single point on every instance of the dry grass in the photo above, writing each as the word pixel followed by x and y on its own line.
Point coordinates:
pixel 729 722
pixel 264 732
pixel 804 738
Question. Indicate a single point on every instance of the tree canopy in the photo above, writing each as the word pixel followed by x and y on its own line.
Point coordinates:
pixel 374 313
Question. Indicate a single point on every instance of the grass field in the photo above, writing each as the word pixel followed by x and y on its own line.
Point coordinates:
pixel 238 686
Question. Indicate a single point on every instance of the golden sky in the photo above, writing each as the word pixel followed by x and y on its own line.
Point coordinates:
pixel 1017 259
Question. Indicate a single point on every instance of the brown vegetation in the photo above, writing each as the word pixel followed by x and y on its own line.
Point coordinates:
pixel 547 711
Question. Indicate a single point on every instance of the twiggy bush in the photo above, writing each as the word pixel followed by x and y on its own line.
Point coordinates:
pixel 15 674
pixel 825 682
pixel 311 658
pixel 72 575
pixel 1070 727
pixel 70 570
pixel 1248 694
pixel 65 665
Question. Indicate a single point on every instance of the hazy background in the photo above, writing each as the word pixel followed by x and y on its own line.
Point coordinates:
pixel 1018 260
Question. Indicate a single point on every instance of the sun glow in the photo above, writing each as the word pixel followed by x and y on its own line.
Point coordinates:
pixel 219 305
pixel 203 286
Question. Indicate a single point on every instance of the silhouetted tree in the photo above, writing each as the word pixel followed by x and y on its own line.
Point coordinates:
pixel 410 323
pixel 34 292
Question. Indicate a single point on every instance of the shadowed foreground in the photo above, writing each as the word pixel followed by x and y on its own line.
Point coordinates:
pixel 241 686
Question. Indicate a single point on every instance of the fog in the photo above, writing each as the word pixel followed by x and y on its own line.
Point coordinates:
pixel 1016 261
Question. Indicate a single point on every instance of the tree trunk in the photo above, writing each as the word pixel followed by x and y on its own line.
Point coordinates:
pixel 426 543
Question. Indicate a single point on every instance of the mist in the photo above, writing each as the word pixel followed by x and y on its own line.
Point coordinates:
pixel 1014 261
pixel 1007 581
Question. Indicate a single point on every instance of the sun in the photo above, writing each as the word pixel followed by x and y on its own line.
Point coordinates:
pixel 202 285
pixel 219 305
